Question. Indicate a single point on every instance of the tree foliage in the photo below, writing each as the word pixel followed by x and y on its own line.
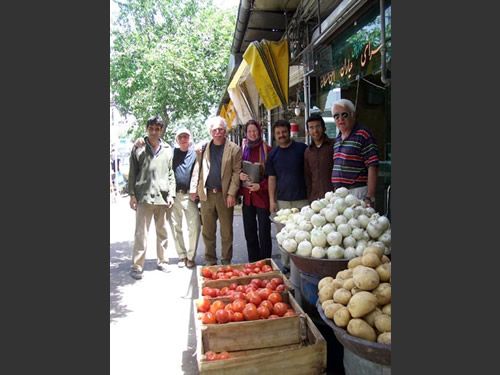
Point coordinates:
pixel 170 57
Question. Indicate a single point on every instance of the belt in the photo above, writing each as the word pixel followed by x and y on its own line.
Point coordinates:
pixel 353 186
pixel 182 191
pixel 214 190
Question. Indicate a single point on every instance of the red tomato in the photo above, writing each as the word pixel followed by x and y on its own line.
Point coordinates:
pixel 260 263
pixel 281 288
pixel 256 269
pixel 233 286
pixel 219 275
pixel 224 355
pixel 238 305
pixel 238 317
pixel 214 292
pixel 206 272
pixel 264 293
pixel 247 265
pixel 273 316
pixel 277 280
pixel 240 288
pixel 203 305
pixel 268 304
pixel 206 291
pixel 217 305
pixel 229 274
pixel 250 312
pixel 280 308
pixel 224 291
pixel 266 268
pixel 208 318
pixel 229 306
pixel 289 312
pixel 264 282
pixel 222 316
pixel 263 312
pixel 210 356
pixel 270 285
pixel 275 297
pixel 253 297
pixel 256 282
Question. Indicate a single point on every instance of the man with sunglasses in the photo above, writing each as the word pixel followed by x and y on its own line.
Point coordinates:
pixel 355 159
pixel 215 182
pixel 151 189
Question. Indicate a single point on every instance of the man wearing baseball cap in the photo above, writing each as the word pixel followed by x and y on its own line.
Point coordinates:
pixel 182 164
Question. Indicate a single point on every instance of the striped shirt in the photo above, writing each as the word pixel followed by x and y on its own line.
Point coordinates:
pixel 352 157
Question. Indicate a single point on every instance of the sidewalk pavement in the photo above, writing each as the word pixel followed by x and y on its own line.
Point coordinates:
pixel 152 328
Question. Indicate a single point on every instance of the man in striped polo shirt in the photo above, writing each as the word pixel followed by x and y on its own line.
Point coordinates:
pixel 355 158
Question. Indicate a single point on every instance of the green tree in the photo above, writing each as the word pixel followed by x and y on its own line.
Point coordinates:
pixel 170 57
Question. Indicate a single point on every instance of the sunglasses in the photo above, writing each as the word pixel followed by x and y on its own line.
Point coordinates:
pixel 343 114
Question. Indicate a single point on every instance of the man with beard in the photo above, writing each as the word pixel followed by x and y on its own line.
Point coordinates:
pixel 285 168
pixel 318 159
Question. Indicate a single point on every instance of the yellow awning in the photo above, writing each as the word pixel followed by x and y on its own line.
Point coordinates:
pixel 268 62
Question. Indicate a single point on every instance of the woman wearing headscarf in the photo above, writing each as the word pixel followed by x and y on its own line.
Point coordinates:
pixel 256 221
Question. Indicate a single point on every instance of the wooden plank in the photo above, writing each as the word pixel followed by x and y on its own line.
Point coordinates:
pixel 246 335
pixel 294 359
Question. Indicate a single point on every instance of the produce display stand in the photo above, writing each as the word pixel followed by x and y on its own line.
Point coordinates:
pixel 292 344
pixel 371 351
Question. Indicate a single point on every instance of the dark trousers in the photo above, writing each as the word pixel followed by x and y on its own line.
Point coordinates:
pixel 259 243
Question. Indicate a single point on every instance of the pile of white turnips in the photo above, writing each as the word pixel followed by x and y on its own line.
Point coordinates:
pixel 338 226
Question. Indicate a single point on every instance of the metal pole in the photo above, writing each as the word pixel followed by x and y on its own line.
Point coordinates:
pixel 269 130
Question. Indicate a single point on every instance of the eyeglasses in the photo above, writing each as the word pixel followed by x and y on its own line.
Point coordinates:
pixel 343 114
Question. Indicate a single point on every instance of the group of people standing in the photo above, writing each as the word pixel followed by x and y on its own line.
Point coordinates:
pixel 168 183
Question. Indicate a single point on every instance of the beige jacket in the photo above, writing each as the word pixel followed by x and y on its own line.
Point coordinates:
pixel 230 170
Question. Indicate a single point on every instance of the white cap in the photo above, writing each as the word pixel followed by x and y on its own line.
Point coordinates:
pixel 182 130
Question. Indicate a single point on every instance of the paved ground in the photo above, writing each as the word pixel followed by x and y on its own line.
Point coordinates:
pixel 152 320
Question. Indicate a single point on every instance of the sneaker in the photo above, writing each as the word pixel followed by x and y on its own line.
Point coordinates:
pixel 190 263
pixel 136 274
pixel 162 267
pixel 181 263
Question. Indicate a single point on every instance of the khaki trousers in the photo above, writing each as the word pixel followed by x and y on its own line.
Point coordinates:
pixel 185 208
pixel 290 204
pixel 145 212
pixel 212 209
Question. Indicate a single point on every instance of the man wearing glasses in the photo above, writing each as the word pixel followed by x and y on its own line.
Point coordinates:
pixel 355 159
pixel 216 181
pixel 151 188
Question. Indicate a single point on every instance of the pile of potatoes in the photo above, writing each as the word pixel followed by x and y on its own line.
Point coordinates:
pixel 359 297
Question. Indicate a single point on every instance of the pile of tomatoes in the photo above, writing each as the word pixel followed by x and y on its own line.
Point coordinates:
pixel 253 307
pixel 262 286
pixel 213 356
pixel 232 272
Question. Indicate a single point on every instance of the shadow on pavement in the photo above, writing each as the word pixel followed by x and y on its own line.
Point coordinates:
pixel 189 361
pixel 119 267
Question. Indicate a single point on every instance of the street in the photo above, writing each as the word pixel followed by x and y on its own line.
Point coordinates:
pixel 152 320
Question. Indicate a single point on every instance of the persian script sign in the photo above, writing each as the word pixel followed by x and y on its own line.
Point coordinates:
pixel 346 70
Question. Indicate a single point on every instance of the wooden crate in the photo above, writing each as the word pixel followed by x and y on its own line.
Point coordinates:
pixel 202 281
pixel 308 356
pixel 245 280
pixel 245 335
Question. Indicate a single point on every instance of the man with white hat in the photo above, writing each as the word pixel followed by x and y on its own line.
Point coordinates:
pixel 183 162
